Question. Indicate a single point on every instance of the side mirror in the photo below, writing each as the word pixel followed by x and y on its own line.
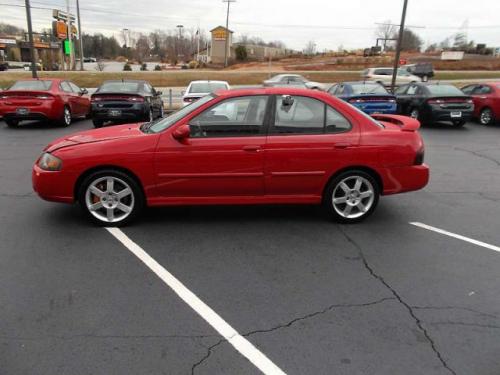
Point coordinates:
pixel 84 91
pixel 287 101
pixel 182 132
pixel 158 93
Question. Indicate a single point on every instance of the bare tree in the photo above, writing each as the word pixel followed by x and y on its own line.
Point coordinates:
pixel 310 48
pixel 386 30
pixel 100 66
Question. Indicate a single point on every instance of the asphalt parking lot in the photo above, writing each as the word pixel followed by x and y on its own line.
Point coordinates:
pixel 308 296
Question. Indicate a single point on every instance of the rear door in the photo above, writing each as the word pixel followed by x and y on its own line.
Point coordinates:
pixel 83 101
pixel 308 140
pixel 70 98
pixel 222 159
pixel 483 96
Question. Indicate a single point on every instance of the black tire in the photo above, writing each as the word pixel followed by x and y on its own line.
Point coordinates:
pixel 338 210
pixel 458 123
pixel 12 123
pixel 486 116
pixel 162 111
pixel 135 199
pixel 414 113
pixel 97 123
pixel 65 121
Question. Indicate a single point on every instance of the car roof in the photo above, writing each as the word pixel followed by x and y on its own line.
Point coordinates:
pixel 125 80
pixel 274 91
pixel 360 83
pixel 43 79
pixel 208 81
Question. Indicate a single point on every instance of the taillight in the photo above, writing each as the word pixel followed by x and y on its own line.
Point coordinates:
pixel 435 101
pixel 44 97
pixel 136 99
pixel 95 99
pixel 356 100
pixel 419 158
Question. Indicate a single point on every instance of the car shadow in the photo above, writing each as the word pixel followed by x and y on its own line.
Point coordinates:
pixel 40 124
pixel 445 126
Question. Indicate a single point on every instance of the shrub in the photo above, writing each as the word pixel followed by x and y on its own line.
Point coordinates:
pixel 157 67
pixel 144 67
pixel 127 67
pixel 193 64
pixel 241 53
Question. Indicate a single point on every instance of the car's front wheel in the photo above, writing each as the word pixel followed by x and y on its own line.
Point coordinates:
pixel 97 123
pixel 111 198
pixel 12 123
pixel 352 196
pixel 486 116
pixel 65 121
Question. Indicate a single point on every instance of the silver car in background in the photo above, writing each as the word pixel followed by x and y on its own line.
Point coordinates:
pixel 293 80
pixel 199 89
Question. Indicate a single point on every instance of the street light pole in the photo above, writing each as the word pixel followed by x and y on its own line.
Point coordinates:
pixel 399 46
pixel 30 39
pixel 227 30
pixel 80 33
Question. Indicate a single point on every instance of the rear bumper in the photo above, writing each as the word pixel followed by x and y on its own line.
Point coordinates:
pixel 403 179
pixel 39 112
pixel 134 112
pixel 53 186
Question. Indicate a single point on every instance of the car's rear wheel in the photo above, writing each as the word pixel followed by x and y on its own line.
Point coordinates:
pixel 352 196
pixel 65 121
pixel 486 117
pixel 110 198
pixel 97 123
pixel 458 123
pixel 11 123
pixel 415 113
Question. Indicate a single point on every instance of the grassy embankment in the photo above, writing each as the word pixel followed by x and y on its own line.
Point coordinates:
pixel 182 78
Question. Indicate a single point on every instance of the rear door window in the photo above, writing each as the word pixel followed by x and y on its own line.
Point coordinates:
pixel 66 87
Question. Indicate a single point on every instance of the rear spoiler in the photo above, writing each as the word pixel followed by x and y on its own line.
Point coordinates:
pixel 407 124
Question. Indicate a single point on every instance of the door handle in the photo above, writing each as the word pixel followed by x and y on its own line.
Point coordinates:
pixel 251 148
pixel 342 145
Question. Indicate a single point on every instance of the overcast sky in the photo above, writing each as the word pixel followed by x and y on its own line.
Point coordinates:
pixel 329 23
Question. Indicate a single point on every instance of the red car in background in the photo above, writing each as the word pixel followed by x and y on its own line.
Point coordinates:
pixel 254 146
pixel 486 97
pixel 46 99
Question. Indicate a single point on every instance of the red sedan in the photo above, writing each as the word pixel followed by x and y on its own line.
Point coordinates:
pixel 486 97
pixel 46 99
pixel 275 145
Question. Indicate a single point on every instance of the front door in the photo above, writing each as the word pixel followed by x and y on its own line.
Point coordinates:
pixel 308 141
pixel 222 158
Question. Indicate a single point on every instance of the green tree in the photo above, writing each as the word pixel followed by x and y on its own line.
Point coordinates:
pixel 241 53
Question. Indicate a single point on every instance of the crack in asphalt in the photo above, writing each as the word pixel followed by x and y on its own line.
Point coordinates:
pixel 418 322
pixel 466 324
pixel 479 155
pixel 72 337
pixel 289 324
pixel 455 308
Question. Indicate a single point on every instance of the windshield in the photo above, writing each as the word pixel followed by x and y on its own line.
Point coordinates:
pixel 403 72
pixel 32 85
pixel 444 90
pixel 119 87
pixel 206 87
pixel 176 116
pixel 368 88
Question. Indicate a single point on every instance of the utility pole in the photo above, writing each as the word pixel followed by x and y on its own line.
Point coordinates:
pixel 227 30
pixel 70 66
pixel 30 38
pixel 80 34
pixel 399 45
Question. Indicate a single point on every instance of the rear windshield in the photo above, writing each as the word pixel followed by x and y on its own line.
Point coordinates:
pixel 368 88
pixel 119 87
pixel 206 87
pixel 444 90
pixel 32 85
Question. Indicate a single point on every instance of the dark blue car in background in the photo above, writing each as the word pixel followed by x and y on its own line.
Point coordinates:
pixel 370 97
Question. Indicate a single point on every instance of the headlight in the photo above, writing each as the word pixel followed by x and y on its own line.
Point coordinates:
pixel 49 162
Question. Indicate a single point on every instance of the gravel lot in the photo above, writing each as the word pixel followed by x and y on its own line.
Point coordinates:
pixel 381 297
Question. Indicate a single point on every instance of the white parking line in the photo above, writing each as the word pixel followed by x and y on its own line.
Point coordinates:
pixel 457 236
pixel 240 343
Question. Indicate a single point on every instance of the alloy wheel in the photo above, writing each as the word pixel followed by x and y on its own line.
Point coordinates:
pixel 110 199
pixel 67 116
pixel 353 197
pixel 414 113
pixel 486 116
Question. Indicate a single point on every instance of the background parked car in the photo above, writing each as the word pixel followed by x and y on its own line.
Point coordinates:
pixel 199 89
pixel 125 101
pixel 292 80
pixel 384 76
pixel 43 99
pixel 430 103
pixel 486 97
pixel 370 97
pixel 423 70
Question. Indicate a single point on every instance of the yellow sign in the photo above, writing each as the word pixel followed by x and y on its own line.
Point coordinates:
pixel 219 34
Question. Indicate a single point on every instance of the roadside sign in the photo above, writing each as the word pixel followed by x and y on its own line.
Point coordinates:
pixel 68 47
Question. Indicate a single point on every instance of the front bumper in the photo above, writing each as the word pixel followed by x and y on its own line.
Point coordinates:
pixel 54 186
